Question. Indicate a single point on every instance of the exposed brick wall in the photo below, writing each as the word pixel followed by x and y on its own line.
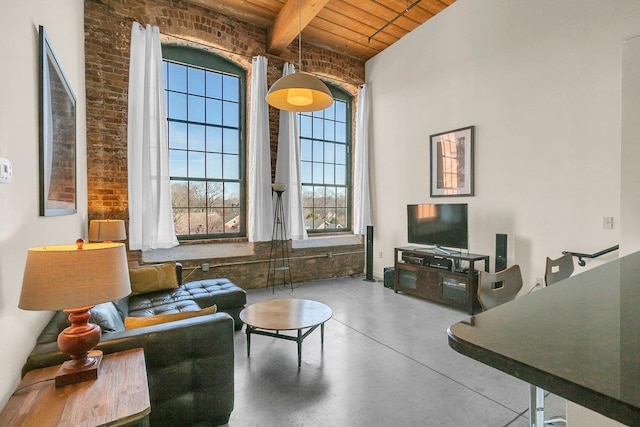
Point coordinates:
pixel 305 265
pixel 107 38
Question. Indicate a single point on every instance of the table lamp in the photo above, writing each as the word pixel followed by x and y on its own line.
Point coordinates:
pixel 107 230
pixel 75 278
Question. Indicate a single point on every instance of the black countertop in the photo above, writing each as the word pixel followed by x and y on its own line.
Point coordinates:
pixel 578 338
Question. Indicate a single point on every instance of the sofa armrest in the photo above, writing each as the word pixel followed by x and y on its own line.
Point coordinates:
pixel 189 367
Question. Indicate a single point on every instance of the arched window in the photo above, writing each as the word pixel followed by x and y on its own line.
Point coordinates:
pixel 325 165
pixel 205 99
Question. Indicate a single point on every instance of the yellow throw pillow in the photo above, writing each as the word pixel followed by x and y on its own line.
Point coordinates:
pixel 151 278
pixel 140 322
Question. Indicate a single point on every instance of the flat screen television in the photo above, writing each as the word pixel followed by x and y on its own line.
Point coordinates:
pixel 439 225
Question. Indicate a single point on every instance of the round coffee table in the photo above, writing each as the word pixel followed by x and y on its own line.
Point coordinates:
pixel 285 314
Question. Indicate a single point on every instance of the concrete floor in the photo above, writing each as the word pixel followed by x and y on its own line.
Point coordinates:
pixel 386 362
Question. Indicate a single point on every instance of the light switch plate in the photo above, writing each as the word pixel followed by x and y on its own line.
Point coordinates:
pixel 6 171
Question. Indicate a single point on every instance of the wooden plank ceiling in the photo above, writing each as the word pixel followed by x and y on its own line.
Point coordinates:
pixel 358 28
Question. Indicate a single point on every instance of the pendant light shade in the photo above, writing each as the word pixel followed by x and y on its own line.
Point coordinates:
pixel 299 92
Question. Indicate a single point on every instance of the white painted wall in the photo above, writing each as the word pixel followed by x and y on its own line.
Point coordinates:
pixel 20 225
pixel 541 81
pixel 630 173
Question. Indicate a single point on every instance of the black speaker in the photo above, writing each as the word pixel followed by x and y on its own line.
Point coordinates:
pixel 501 252
pixel 369 254
pixel 388 277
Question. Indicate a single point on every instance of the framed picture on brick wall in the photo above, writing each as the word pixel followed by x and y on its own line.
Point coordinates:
pixel 452 163
pixel 57 135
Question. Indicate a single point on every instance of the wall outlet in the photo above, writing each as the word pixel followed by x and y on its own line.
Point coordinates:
pixel 607 222
pixel 380 254
pixel 539 282
pixel 205 266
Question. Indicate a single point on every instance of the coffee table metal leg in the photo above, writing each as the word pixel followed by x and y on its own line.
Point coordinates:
pixel 299 347
pixel 322 336
pixel 248 340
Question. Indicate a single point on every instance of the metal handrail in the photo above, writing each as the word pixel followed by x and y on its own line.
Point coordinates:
pixel 580 255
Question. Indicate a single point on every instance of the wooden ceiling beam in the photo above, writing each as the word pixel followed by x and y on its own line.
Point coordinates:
pixel 292 19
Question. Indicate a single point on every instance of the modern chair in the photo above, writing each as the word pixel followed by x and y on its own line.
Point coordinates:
pixel 498 288
pixel 558 269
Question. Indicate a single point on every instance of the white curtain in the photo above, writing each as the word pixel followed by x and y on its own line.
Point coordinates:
pixel 288 170
pixel 261 208
pixel 150 214
pixel 361 194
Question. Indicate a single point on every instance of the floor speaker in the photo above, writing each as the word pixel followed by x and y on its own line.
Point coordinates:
pixel 389 277
pixel 501 252
pixel 369 255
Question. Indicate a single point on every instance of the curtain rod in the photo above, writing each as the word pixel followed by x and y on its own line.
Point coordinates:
pixel 242 54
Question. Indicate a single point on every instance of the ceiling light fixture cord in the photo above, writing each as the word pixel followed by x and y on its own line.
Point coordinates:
pixel 299 36
pixel 299 91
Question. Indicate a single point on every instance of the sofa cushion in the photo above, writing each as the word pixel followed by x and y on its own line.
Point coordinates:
pixel 58 322
pixel 221 292
pixel 122 305
pixel 151 278
pixel 145 307
pixel 104 315
pixel 107 317
pixel 147 302
pixel 140 322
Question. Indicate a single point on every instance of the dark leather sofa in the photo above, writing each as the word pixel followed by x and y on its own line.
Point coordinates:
pixel 189 362
pixel 227 296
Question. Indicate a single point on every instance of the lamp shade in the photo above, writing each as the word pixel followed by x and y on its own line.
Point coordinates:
pixel 299 92
pixel 70 276
pixel 103 230
pixel 276 186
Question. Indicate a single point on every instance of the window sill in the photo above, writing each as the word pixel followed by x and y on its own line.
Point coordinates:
pixel 199 251
pixel 326 241
pixel 185 252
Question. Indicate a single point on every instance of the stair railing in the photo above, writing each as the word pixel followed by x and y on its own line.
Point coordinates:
pixel 580 255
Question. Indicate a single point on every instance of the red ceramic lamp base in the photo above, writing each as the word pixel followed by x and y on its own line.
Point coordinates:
pixel 77 341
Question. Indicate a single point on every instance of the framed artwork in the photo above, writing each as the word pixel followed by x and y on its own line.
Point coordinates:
pixel 452 163
pixel 57 135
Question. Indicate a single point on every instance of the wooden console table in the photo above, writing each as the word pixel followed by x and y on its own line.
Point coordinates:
pixel 120 396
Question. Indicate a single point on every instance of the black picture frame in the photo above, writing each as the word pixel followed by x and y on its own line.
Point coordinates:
pixel 57 128
pixel 451 163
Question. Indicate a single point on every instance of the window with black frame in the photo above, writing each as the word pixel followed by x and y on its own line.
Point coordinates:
pixel 325 166
pixel 205 99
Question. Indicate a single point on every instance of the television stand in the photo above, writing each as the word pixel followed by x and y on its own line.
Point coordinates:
pixel 430 274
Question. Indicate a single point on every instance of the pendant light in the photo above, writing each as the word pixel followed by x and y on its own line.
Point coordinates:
pixel 299 91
